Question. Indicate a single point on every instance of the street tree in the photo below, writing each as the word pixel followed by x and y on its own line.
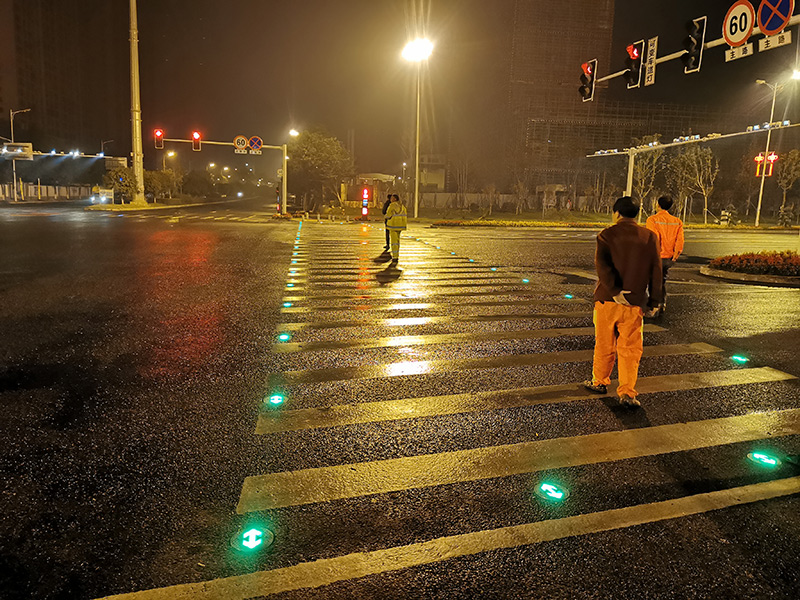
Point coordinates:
pixel 198 183
pixel 788 172
pixel 318 163
pixel 160 184
pixel 646 168
pixel 700 168
pixel 679 182
pixel 123 181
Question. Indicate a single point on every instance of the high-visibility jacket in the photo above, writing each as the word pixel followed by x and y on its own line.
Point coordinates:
pixel 396 216
pixel 669 231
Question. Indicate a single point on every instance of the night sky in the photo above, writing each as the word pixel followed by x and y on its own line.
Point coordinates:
pixel 258 67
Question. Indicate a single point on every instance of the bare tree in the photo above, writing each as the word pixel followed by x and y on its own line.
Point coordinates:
pixel 645 169
pixel 678 182
pixel 699 167
pixel 521 194
pixel 788 172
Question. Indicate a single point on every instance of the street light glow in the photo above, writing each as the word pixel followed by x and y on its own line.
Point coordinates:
pixel 418 50
pixel 795 74
pixel 294 132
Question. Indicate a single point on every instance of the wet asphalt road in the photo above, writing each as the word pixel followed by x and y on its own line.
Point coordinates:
pixel 138 352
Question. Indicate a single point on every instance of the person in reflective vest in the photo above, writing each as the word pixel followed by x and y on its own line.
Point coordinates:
pixel 385 208
pixel 396 221
pixel 669 231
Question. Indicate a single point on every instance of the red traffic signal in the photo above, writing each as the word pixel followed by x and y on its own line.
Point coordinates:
pixel 586 90
pixel 633 51
pixel 158 135
pixel 633 64
pixel 197 140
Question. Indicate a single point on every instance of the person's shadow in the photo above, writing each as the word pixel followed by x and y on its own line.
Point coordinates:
pixel 389 274
pixel 383 257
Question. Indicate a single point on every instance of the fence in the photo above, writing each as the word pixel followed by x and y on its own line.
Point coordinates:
pixel 35 192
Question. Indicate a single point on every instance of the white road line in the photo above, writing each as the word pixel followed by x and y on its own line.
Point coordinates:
pixel 324 484
pixel 414 408
pixel 362 564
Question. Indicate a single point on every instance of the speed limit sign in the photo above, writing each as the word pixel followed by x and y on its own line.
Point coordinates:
pixel 240 144
pixel 739 22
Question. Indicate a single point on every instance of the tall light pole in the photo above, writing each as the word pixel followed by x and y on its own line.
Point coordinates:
pixel 417 51
pixel 136 111
pixel 774 87
pixel 169 154
pixel 103 146
pixel 14 162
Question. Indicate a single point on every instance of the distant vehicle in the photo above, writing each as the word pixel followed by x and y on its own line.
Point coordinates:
pixel 102 195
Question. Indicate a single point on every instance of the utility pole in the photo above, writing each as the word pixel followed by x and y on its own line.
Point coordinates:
pixel 136 110
pixel 774 87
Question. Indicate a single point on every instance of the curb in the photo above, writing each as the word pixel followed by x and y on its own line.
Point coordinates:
pixel 772 280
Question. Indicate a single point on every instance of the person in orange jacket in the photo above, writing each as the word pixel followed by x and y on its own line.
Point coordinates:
pixel 669 231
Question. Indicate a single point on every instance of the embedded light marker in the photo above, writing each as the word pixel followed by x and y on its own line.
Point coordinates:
pixel 252 538
pixel 550 491
pixel 738 358
pixel 276 399
pixel 284 337
pixel 762 458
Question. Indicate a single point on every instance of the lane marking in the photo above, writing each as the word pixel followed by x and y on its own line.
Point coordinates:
pixel 411 321
pixel 398 369
pixel 325 484
pixel 442 339
pixel 414 408
pixel 372 303
pixel 362 564
pixel 398 293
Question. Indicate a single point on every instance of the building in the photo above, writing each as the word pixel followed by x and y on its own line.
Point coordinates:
pixel 549 129
pixel 68 62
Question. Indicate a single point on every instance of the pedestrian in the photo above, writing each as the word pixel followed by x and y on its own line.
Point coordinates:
pixel 396 221
pixel 385 208
pixel 628 265
pixel 669 231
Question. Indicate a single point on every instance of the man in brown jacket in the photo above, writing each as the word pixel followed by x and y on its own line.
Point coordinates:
pixel 628 263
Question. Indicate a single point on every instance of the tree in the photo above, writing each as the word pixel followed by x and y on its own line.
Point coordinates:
pixel 678 182
pixel 699 168
pixel 160 184
pixel 123 181
pixel 198 183
pixel 645 169
pixel 788 172
pixel 521 195
pixel 318 164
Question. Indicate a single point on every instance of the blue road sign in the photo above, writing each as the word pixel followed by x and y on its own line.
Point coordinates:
pixel 774 15
pixel 256 143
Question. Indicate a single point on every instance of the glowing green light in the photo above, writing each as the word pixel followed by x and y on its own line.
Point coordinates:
pixel 289 285
pixel 287 304
pixel 493 269
pixel 252 538
pixel 551 492
pixel 738 358
pixel 285 337
pixel 471 260
pixel 438 247
pixel 294 254
pixel 568 296
pixel 294 262
pixel 526 281
pixel 452 253
pixel 276 399
pixel 764 459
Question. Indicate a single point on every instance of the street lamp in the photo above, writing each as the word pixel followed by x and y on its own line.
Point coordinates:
pixel 774 87
pixel 294 132
pixel 13 161
pixel 417 51
pixel 169 154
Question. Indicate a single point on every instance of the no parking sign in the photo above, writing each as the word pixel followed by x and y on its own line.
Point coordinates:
pixel 774 15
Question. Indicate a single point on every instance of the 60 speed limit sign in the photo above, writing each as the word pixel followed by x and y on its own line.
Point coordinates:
pixel 739 22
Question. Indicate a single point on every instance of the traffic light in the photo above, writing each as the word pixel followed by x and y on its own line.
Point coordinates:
pixel 633 62
pixel 587 80
pixel 366 197
pixel 158 135
pixel 693 43
pixel 197 140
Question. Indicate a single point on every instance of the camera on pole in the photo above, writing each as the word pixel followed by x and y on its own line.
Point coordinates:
pixel 586 90
pixel 633 62
pixel 693 43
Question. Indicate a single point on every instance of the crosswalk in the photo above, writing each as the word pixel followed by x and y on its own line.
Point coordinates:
pixel 451 385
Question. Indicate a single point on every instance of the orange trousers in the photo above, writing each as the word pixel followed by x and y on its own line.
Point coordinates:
pixel 618 331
